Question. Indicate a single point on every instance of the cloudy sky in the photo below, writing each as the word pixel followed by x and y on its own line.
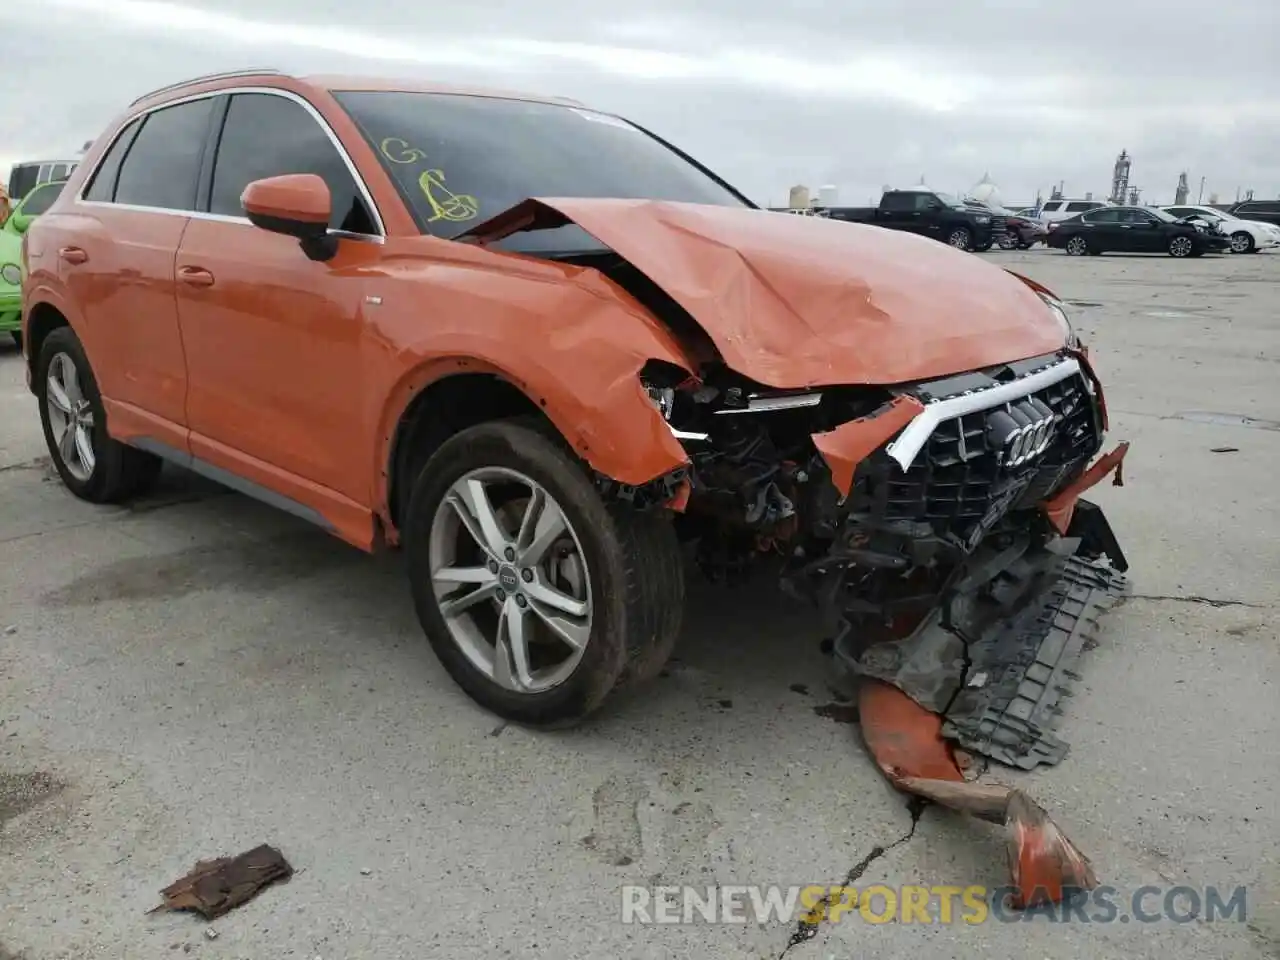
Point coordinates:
pixel 848 92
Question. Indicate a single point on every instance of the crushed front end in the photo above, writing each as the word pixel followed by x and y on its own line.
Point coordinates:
pixel 937 526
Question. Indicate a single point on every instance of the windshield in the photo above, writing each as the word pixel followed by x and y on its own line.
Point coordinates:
pixel 1161 215
pixel 948 199
pixel 459 160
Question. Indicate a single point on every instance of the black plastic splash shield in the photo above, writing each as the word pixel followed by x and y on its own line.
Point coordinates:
pixel 998 658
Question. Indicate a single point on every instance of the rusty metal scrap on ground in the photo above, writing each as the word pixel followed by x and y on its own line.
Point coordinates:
pixel 215 887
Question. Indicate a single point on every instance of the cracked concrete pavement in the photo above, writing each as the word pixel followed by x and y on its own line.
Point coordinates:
pixel 197 674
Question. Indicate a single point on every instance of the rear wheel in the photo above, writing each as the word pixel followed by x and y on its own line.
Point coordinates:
pixel 1077 246
pixel 1181 247
pixel 961 238
pixel 93 466
pixel 536 595
pixel 1242 242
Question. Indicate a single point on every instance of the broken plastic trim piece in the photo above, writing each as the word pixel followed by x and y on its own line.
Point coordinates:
pixel 906 741
pixel 767 404
pixel 908 444
pixel 996 658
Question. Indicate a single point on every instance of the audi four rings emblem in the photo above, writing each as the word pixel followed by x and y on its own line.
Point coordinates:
pixel 1021 431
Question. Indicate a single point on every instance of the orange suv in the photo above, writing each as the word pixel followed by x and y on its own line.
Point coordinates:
pixel 539 347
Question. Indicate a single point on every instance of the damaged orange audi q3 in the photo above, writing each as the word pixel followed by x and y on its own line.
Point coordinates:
pixel 539 347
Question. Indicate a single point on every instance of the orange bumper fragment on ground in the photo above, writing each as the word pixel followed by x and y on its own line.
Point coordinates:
pixel 906 741
pixel 1062 506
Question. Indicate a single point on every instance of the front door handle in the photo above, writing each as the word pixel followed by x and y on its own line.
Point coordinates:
pixel 73 255
pixel 195 276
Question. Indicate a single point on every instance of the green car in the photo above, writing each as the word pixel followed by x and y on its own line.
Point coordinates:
pixel 31 206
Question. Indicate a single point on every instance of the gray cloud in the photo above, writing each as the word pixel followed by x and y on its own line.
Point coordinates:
pixel 856 94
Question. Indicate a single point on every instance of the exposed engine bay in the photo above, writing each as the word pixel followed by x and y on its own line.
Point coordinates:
pixel 939 571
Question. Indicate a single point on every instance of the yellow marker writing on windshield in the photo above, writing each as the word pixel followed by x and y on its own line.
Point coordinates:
pixel 399 151
pixel 445 204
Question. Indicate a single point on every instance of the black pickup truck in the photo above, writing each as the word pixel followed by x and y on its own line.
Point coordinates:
pixel 929 213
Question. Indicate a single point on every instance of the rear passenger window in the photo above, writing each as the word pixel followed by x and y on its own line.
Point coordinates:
pixel 1079 205
pixel 163 165
pixel 268 136
pixel 103 185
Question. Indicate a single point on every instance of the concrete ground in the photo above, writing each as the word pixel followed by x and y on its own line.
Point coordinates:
pixel 198 674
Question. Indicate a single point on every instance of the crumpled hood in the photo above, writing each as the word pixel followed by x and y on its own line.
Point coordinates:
pixel 794 301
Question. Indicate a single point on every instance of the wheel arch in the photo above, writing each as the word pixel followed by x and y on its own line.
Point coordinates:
pixel 43 317
pixel 442 397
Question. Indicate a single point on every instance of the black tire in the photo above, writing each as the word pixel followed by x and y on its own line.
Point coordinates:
pixel 983 248
pixel 1242 242
pixel 1181 246
pixel 630 557
pixel 120 472
pixel 1077 246
pixel 961 238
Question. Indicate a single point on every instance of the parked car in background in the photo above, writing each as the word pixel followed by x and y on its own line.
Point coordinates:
pixel 1246 236
pixel 1268 211
pixel 929 213
pixel 1053 210
pixel 10 285
pixel 1020 232
pixel 31 206
pixel 1134 230
pixel 25 177
pixel 337 295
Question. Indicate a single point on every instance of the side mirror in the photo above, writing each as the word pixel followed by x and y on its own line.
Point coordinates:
pixel 21 222
pixel 297 205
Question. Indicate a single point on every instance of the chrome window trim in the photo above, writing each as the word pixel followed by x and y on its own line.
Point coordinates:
pixel 363 187
pixel 914 436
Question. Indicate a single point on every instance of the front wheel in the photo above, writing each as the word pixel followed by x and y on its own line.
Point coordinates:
pixel 1009 242
pixel 1181 247
pixel 961 238
pixel 1241 242
pixel 536 595
pixel 1077 246
pixel 93 466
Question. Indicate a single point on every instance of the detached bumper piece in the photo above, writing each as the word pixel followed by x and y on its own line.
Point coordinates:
pixel 908 745
pixel 995 660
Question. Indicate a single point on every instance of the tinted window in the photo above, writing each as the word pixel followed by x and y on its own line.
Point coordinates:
pixel 1266 207
pixel 1051 206
pixel 898 201
pixel 163 165
pixel 458 160
pixel 41 199
pixel 1182 212
pixel 103 185
pixel 1137 216
pixel 1101 216
pixel 268 136
pixel 1077 205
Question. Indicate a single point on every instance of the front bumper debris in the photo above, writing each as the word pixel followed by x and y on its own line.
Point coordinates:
pixel 908 744
pixel 994 660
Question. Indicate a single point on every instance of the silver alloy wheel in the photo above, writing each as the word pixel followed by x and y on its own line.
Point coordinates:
pixel 1077 246
pixel 959 239
pixel 511 579
pixel 70 417
pixel 1240 242
pixel 1180 246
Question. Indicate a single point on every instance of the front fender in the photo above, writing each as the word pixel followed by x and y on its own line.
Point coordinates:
pixel 568 338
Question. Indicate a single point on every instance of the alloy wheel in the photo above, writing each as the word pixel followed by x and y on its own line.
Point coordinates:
pixel 959 239
pixel 70 417
pixel 511 579
pixel 1240 242
pixel 1077 246
pixel 1180 246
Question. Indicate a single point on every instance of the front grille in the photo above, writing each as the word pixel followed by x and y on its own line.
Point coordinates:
pixel 999 225
pixel 958 482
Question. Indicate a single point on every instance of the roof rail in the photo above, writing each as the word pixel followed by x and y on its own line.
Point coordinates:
pixel 207 77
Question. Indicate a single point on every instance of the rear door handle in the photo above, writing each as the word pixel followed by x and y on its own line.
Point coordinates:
pixel 195 276
pixel 73 255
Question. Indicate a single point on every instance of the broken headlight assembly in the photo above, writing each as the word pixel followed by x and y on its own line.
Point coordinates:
pixel 1060 312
